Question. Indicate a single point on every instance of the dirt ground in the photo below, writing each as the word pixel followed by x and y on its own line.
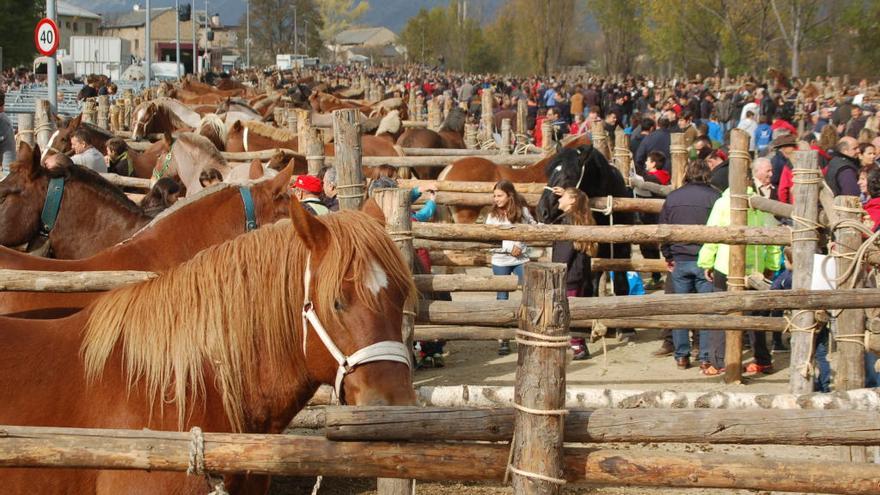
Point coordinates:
pixel 623 366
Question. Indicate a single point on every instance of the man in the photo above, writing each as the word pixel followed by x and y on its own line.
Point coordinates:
pixel 577 101
pixel 330 192
pixel 762 172
pixel 646 127
pixel 824 119
pixel 7 137
pixel 656 141
pixel 466 91
pixel 856 122
pixel 842 175
pixel 306 189
pixel 85 154
pixel 719 169
pixel 611 122
pixel 117 159
pixel 688 205
pixel 783 180
pixel 749 125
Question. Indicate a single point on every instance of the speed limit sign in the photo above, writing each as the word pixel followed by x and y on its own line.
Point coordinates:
pixel 46 37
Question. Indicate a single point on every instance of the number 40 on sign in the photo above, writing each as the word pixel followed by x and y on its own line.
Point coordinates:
pixel 46 37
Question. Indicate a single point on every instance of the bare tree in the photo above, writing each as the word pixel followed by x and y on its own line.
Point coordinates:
pixel 803 19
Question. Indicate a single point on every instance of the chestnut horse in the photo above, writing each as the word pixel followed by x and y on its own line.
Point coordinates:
pixel 484 170
pixel 162 116
pixel 174 236
pixel 92 213
pixel 450 135
pixel 212 127
pixel 257 136
pixel 231 354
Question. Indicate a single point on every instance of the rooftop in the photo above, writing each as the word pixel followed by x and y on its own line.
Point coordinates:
pixel 132 18
pixel 70 10
pixel 359 36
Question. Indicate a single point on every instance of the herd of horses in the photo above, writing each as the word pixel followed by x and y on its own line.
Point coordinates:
pixel 218 340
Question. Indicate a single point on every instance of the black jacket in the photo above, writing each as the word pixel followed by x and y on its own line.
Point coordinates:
pixel 835 166
pixel 721 177
pixel 687 205
pixel 656 141
pixel 577 263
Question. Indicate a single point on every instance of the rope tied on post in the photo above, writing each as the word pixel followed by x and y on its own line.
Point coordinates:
pixel 350 186
pixel 806 369
pixel 196 465
pixel 743 197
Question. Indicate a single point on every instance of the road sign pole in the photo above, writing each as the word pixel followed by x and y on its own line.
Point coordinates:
pixel 148 49
pixel 52 69
pixel 196 68
pixel 177 25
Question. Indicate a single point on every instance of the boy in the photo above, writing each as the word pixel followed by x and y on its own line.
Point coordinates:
pixel 654 166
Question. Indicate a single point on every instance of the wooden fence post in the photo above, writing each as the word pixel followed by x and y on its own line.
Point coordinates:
pixel 89 111
pixel 804 240
pixel 103 119
pixel 303 123
pixel 470 136
pixel 44 124
pixel 411 104
pixel 347 146
pixel 395 203
pixel 736 276
pixel 505 136
pixel 127 109
pixel 487 122
pixel 278 115
pixel 622 155
pixel 539 393
pixel 678 160
pixel 435 120
pixel 314 149
pixel 292 119
pixel 548 144
pixel 522 112
pixel 600 139
pixel 420 109
pixel 850 322
pixel 116 113
pixel 26 128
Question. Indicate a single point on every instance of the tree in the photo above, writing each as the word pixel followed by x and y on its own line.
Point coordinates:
pixel 799 21
pixel 621 24
pixel 17 36
pixel 275 24
pixel 339 15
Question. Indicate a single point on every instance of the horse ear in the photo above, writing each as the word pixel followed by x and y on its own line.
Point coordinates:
pixel 256 169
pixel 36 157
pixel 312 231
pixel 169 140
pixel 237 126
pixel 281 182
pixel 372 208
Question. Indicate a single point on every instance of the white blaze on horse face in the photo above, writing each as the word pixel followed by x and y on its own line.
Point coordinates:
pixel 377 279
pixel 49 145
pixel 244 139
pixel 137 122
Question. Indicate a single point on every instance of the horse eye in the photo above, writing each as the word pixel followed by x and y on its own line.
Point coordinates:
pixel 338 305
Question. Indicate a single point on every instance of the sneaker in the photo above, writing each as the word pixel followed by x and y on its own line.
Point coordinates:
pixel 759 368
pixel 503 348
pixel 580 352
pixel 779 347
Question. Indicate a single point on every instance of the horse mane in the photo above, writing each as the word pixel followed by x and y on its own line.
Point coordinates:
pixel 203 143
pixel 168 347
pixel 96 183
pixel 97 130
pixel 389 123
pixel 168 104
pixel 269 131
pixel 181 204
pixel 214 122
pixel 455 121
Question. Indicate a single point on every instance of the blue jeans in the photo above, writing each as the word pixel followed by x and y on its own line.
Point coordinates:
pixel 822 382
pixel 517 270
pixel 687 278
pixel 872 378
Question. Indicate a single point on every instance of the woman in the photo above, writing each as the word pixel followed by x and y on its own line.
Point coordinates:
pixel 509 208
pixel 867 155
pixel 163 194
pixel 576 255
pixel 872 189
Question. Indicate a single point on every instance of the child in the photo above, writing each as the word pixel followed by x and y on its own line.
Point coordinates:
pixel 654 166
pixel 763 136
pixel 509 208
pixel 576 255
pixel 210 177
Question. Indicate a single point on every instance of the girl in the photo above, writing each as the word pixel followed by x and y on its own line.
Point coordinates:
pixel 509 208
pixel 163 194
pixel 576 255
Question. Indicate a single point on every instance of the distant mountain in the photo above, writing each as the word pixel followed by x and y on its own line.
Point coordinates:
pixel 392 14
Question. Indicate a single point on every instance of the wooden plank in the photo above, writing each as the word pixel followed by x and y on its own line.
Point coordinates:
pixel 123 181
pixel 636 234
pixel 713 426
pixel 31 281
pixel 461 283
pixel 290 455
pixel 627 265
pixel 540 380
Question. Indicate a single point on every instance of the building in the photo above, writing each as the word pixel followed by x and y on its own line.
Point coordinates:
pixel 75 21
pixel 365 44
pixel 132 25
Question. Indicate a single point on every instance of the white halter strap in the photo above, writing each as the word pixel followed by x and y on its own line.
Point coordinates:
pixel 387 350
pixel 244 138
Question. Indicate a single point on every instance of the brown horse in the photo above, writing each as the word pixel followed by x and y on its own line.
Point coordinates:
pixel 483 170
pixel 176 235
pixel 450 135
pixel 205 89
pixel 257 136
pixel 93 213
pixel 161 116
pixel 188 154
pixel 141 163
pixel 325 103
pixel 231 354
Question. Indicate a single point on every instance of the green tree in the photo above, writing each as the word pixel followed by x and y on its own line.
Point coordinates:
pixel 275 23
pixel 17 36
pixel 621 24
pixel 339 15
pixel 800 24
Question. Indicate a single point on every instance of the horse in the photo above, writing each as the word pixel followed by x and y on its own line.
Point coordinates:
pixel 230 355
pixel 141 163
pixel 237 110
pixel 324 103
pixel 450 135
pixel 257 136
pixel 59 141
pixel 162 115
pixel 587 169
pixel 483 170
pixel 204 89
pixel 188 154
pixel 212 127
pixel 30 213
pixel 208 218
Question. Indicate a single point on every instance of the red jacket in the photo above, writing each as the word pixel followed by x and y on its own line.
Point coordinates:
pixel 784 124
pixel 786 183
pixel 537 134
pixel 661 175
pixel 873 209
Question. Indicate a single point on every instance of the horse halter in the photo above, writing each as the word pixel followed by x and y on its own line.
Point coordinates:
pixel 387 350
pixel 51 206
